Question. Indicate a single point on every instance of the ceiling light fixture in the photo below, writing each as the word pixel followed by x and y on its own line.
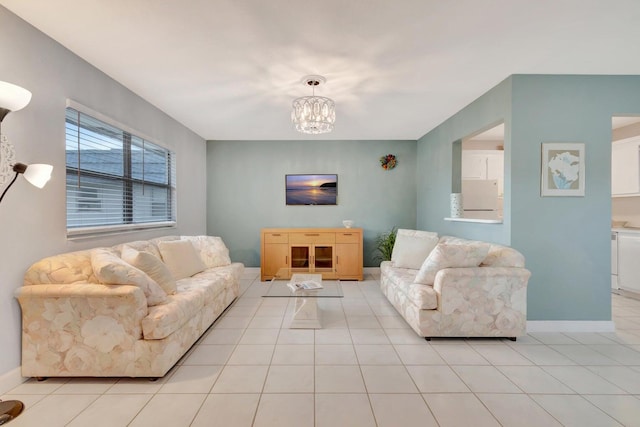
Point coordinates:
pixel 313 114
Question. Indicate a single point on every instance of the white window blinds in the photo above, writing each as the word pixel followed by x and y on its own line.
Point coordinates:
pixel 115 179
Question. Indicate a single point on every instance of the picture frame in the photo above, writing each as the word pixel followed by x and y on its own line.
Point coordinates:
pixel 311 189
pixel 562 169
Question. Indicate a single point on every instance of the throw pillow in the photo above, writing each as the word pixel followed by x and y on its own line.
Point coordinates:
pixel 109 269
pixel 446 255
pixel 212 250
pixel 181 258
pixel 152 265
pixel 412 247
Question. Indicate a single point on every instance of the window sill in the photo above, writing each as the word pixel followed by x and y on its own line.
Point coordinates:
pixel 91 232
pixel 475 220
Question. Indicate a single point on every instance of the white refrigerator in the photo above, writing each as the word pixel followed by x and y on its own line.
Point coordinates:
pixel 480 198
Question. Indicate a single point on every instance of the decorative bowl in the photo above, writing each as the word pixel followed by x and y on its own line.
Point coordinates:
pixel 347 223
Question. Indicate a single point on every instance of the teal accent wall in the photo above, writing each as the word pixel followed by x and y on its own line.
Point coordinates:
pixel 566 240
pixel 245 189
pixel 436 165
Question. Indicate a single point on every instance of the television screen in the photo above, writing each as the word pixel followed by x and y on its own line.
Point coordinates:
pixel 312 189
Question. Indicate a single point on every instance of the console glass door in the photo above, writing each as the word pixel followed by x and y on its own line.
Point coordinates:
pixel 323 256
pixel 300 256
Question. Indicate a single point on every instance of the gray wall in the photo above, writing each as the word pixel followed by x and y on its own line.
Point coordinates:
pixel 565 240
pixel 34 221
pixel 245 189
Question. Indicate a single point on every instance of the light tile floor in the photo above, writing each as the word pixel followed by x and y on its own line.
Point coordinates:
pixel 365 368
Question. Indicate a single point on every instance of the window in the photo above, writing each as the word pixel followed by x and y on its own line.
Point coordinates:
pixel 115 179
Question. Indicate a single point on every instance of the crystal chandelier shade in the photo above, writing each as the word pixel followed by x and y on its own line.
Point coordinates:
pixel 313 114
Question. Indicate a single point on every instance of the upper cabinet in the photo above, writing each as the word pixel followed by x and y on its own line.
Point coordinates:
pixel 484 164
pixel 625 167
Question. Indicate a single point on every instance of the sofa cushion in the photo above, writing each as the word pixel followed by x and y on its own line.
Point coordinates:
pixel 503 256
pixel 181 258
pixel 109 269
pixel 423 296
pixel 67 268
pixel 412 247
pixel 193 294
pixel 152 266
pixel 447 255
pixel 165 319
pixel 498 256
pixel 212 250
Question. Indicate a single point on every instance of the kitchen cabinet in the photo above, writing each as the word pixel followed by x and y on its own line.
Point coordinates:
pixel 336 252
pixel 484 164
pixel 625 167
pixel 614 260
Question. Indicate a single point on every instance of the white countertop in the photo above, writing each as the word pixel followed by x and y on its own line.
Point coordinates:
pixel 626 230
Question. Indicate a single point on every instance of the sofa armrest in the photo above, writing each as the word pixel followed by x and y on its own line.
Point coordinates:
pixel 70 307
pixel 459 289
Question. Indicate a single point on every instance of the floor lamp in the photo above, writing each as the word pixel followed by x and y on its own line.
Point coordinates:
pixel 14 98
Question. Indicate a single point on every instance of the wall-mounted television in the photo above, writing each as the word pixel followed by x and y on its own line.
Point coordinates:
pixel 311 189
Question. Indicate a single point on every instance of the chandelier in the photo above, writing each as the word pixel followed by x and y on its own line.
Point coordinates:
pixel 313 114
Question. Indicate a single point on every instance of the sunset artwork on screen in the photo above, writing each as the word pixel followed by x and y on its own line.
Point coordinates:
pixel 312 189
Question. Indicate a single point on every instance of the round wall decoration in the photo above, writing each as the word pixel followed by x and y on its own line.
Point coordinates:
pixel 388 162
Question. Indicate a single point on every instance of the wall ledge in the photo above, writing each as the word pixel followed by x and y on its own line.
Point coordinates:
pixel 476 220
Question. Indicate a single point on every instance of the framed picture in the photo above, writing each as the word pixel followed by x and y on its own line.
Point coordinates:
pixel 562 169
pixel 311 189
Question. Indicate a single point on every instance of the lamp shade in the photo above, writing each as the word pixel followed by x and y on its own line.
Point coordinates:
pixel 38 174
pixel 12 97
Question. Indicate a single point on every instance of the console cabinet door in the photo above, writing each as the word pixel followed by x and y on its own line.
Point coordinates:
pixel 275 253
pixel 348 260
pixel 300 256
pixel 349 255
pixel 276 256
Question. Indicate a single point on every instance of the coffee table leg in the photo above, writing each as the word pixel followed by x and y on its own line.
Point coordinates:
pixel 304 313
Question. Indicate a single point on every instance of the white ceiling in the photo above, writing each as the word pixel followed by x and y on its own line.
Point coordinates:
pixel 229 69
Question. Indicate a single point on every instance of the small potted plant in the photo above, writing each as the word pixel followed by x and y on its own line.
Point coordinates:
pixel 384 245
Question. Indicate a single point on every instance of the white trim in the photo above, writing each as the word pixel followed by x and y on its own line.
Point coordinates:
pixel 570 326
pixel 11 380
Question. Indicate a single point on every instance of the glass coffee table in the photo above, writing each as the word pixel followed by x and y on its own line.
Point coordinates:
pixel 304 312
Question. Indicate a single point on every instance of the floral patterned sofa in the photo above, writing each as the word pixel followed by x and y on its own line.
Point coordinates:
pixel 453 287
pixel 131 310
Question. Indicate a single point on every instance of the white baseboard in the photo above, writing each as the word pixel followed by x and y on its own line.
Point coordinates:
pixel 11 380
pixel 570 326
